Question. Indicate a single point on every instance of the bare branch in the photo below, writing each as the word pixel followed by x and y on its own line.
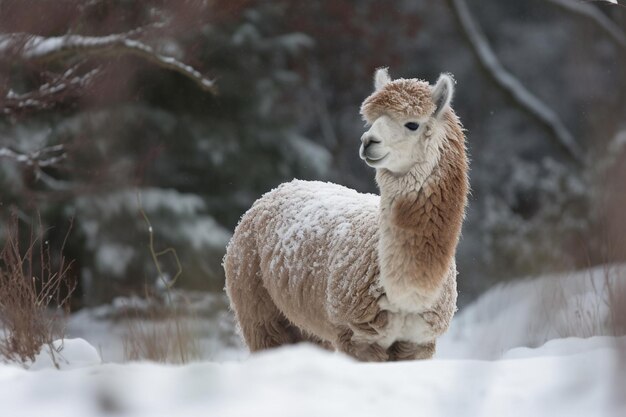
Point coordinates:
pixel 33 47
pixel 591 12
pixel 49 94
pixel 144 29
pixel 41 158
pixel 524 98
pixel 168 284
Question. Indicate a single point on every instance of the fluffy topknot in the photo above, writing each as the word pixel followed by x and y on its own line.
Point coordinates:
pixel 400 99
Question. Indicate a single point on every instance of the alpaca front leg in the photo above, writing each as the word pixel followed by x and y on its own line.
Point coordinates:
pixel 373 319
pixel 373 327
pixel 362 351
pixel 407 351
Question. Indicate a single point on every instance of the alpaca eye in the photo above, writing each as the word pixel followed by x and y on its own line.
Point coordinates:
pixel 412 126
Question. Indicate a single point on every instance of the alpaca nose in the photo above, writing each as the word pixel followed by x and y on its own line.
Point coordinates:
pixel 367 139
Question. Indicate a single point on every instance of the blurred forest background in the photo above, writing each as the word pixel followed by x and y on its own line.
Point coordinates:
pixel 90 122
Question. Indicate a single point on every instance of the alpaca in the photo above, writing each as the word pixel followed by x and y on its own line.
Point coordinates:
pixel 373 277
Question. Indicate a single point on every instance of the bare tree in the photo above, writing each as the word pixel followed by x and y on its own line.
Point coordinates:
pixel 509 83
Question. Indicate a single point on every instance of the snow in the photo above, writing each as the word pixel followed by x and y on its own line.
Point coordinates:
pixel 510 353
pixel 113 258
pixel 306 381
pixel 204 232
pixel 334 208
pixel 152 199
pixel 531 312
pixel 66 354
pixel 310 154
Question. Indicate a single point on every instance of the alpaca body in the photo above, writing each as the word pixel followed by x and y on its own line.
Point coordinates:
pixel 373 277
pixel 315 246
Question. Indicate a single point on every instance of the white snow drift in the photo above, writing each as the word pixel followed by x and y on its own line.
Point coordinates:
pixel 567 376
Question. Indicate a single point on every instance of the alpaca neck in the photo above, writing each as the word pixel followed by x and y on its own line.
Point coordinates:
pixel 420 222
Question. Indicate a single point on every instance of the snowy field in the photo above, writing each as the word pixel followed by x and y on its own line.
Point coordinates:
pixel 533 348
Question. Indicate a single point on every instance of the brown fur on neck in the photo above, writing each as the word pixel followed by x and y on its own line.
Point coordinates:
pixel 428 220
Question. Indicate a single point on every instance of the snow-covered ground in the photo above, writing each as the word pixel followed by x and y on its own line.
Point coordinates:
pixel 530 312
pixel 570 377
pixel 508 354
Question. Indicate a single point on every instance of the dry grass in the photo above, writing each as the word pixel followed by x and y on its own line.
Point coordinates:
pixel 29 287
pixel 594 306
pixel 163 334
pixel 159 334
pixel 615 299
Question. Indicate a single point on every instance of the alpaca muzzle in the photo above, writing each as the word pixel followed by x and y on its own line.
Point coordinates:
pixel 369 151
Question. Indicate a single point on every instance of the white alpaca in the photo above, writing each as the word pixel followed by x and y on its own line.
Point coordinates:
pixel 372 277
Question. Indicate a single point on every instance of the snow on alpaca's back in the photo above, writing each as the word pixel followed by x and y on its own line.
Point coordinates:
pixel 321 211
pixel 332 203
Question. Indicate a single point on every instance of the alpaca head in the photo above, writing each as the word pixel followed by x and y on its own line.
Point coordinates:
pixel 406 121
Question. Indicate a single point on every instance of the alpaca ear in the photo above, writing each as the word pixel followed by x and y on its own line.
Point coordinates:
pixel 442 93
pixel 381 78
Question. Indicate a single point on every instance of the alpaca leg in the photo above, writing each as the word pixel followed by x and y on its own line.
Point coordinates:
pixel 324 344
pixel 363 351
pixel 262 324
pixel 406 351
pixel 274 332
pixel 375 326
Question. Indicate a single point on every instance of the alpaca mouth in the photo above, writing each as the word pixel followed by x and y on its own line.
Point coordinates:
pixel 369 159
